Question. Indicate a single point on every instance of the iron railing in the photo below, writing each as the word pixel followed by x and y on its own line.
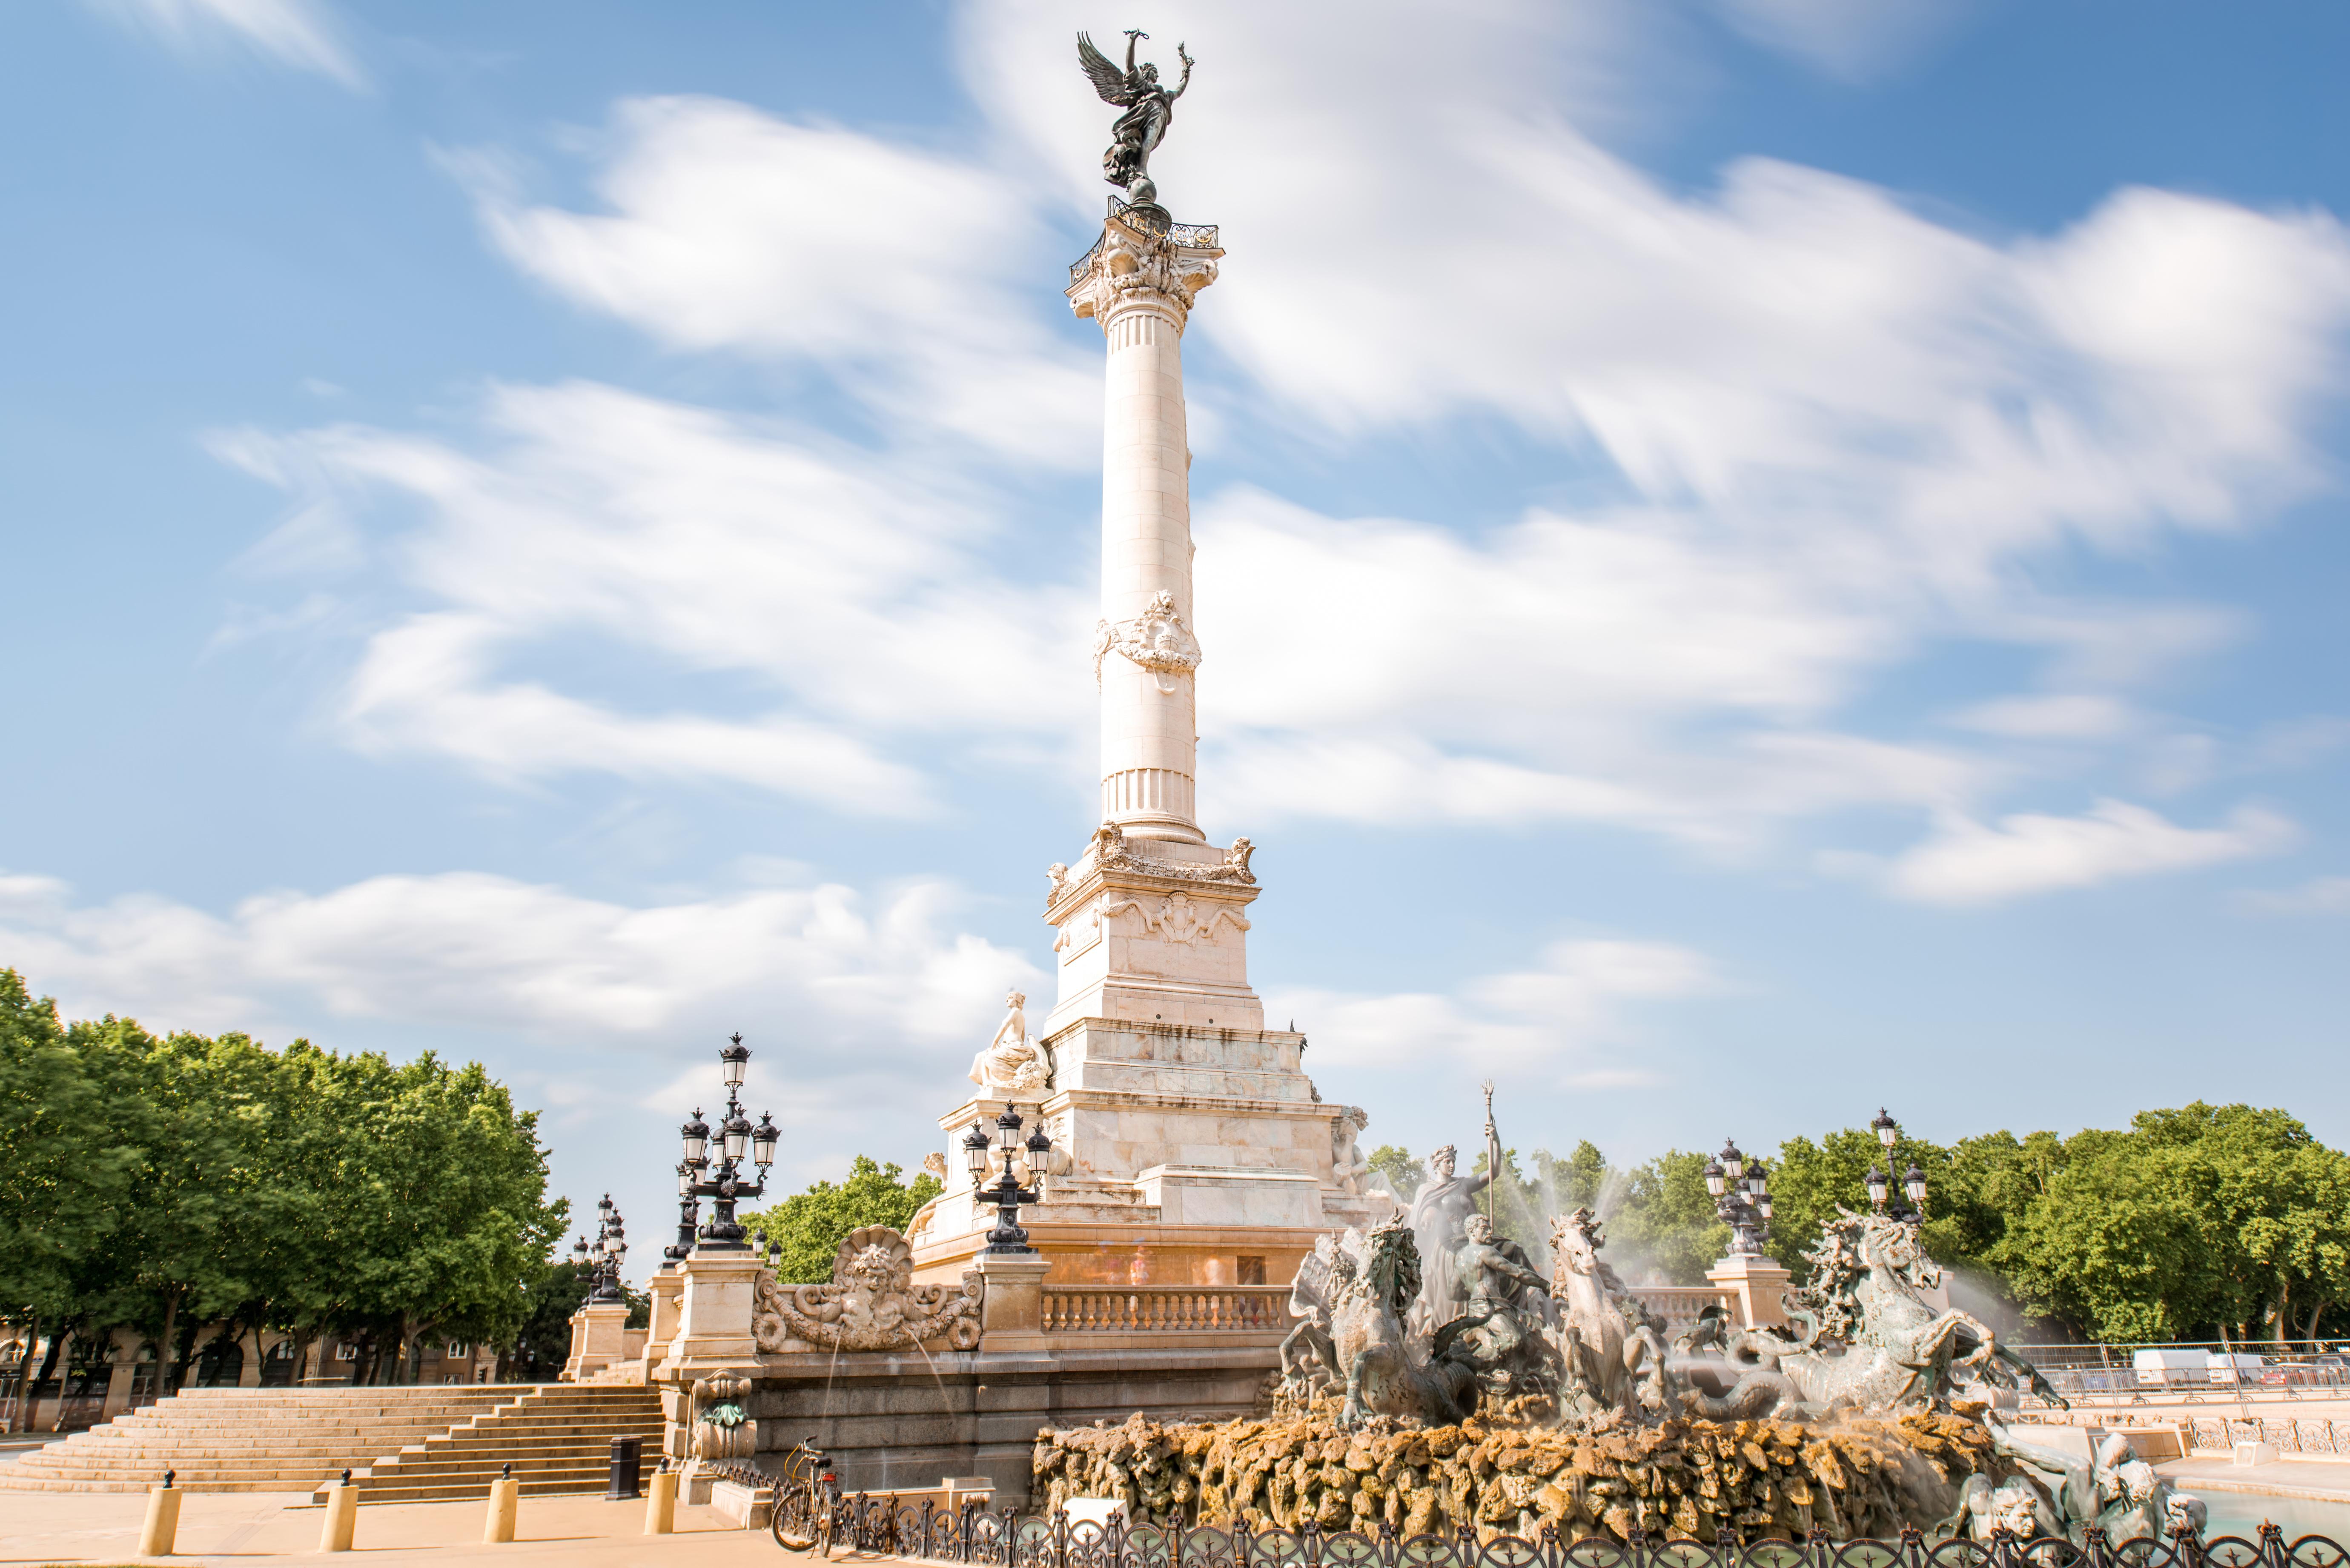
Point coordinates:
pixel 1005 1539
pixel 1151 220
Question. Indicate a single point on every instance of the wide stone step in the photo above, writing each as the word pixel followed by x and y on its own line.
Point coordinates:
pixel 232 1443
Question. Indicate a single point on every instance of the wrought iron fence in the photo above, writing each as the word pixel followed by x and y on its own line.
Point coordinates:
pixel 1151 220
pixel 1005 1539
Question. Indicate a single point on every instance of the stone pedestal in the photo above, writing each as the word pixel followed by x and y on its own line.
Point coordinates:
pixel 1759 1283
pixel 713 1321
pixel 667 1290
pixel 1012 1313
pixel 598 1339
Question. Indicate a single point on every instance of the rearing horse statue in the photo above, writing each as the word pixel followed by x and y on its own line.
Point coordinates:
pixel 1353 1292
pixel 1609 1350
pixel 1867 1275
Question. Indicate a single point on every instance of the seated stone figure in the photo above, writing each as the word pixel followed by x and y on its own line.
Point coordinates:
pixel 1013 1065
pixel 1498 1333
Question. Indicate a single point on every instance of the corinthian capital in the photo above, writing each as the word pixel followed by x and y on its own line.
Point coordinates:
pixel 1141 254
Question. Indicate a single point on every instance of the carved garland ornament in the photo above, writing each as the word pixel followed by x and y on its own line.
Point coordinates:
pixel 1157 639
pixel 872 1303
pixel 1110 854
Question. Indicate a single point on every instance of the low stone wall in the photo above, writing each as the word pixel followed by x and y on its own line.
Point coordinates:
pixel 892 1421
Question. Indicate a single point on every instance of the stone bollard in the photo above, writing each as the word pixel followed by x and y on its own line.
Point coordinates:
pixel 342 1517
pixel 660 1504
pixel 162 1526
pixel 506 1501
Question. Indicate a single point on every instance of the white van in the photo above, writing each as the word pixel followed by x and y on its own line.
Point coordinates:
pixel 2172 1369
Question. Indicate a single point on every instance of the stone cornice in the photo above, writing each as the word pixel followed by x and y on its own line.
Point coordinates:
pixel 1113 861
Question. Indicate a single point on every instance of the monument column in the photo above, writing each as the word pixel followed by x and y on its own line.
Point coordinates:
pixel 1138 282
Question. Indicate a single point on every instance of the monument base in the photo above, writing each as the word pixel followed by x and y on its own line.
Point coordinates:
pixel 1235 1166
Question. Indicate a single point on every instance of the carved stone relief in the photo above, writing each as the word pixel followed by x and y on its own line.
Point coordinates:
pixel 1157 639
pixel 872 1303
pixel 1178 917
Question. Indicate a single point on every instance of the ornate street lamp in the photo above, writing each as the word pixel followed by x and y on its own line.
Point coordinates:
pixel 1880 1184
pixel 603 1256
pixel 688 1215
pixel 736 1138
pixel 1007 1193
pixel 1740 1189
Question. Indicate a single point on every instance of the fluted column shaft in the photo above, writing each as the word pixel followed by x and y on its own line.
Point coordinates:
pixel 1138 285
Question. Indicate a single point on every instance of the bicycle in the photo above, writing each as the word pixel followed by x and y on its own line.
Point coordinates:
pixel 807 1502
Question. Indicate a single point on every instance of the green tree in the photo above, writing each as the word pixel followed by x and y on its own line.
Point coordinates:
pixel 67 1175
pixel 162 1184
pixel 2104 1247
pixel 1665 1223
pixel 1581 1180
pixel 810 1225
pixel 1404 1175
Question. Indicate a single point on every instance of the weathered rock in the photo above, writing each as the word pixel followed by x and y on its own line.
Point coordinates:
pixel 1688 1478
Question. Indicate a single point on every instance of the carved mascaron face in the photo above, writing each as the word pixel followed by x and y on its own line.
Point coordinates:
pixel 874 1268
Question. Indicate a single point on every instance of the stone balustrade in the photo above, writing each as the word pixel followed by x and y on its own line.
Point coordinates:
pixel 1166 1308
pixel 1677 1306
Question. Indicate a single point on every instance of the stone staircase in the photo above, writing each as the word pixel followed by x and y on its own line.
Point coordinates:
pixel 557 1437
pixel 253 1440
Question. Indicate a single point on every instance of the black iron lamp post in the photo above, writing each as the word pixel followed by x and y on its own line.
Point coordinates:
pixel 736 1138
pixel 1741 1197
pixel 688 1215
pixel 604 1254
pixel 1913 1180
pixel 1007 1193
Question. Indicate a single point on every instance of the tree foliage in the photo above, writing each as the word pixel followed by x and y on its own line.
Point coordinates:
pixel 809 1225
pixel 159 1183
pixel 1404 1175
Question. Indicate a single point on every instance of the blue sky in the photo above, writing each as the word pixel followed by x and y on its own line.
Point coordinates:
pixel 1756 557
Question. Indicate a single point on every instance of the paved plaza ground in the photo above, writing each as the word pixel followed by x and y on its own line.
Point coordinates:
pixel 256 1528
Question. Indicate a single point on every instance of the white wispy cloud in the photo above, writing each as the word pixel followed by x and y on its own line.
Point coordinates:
pixel 850 588
pixel 1549 1020
pixel 903 272
pixel 1967 862
pixel 301 34
pixel 889 974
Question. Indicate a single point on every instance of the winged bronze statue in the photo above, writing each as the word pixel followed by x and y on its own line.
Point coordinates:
pixel 1149 105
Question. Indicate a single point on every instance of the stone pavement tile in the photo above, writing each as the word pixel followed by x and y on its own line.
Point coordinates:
pixel 224 1529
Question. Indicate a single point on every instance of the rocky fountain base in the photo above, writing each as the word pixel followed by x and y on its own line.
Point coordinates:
pixel 1690 1479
